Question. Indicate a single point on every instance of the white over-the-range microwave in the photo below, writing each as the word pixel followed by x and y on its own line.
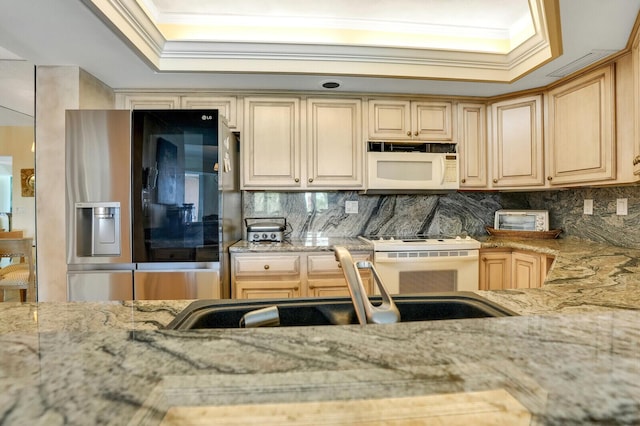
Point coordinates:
pixel 412 167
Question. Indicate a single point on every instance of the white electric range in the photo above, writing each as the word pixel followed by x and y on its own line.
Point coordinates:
pixel 423 264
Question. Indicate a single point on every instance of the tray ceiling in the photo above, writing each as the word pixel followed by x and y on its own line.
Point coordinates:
pixel 481 40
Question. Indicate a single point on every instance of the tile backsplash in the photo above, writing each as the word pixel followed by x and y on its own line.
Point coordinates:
pixel 323 213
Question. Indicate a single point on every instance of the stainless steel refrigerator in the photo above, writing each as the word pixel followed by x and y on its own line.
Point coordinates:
pixel 153 203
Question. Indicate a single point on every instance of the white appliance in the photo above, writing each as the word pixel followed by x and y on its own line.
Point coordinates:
pixel 522 220
pixel 412 167
pixel 421 264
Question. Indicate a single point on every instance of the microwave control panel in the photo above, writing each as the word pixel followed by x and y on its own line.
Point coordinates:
pixel 451 168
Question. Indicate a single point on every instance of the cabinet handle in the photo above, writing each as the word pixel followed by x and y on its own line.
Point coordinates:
pixel 495 181
pixel 484 259
pixel 266 267
pixel 416 133
pixel 463 181
pixel 311 287
pixel 409 133
pixel 296 180
pixel 296 288
pixel 636 160
pixel 310 180
pixel 549 178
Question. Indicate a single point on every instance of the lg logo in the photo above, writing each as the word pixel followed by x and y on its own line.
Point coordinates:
pixel 207 117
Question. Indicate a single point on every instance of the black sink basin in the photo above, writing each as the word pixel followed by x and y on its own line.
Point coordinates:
pixel 204 314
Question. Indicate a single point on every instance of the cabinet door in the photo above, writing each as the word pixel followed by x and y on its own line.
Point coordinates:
pixel 271 143
pixel 335 148
pixel 249 289
pixel 389 119
pixel 227 106
pixel 581 130
pixel 495 270
pixel 516 143
pixel 472 145
pixel 432 121
pixel 635 51
pixel 326 279
pixel 525 270
pixel 148 101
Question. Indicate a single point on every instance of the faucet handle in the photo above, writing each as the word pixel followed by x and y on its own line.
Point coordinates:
pixel 387 312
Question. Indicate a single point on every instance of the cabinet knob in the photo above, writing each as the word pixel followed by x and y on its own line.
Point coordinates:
pixel 549 178
pixel 310 180
pixel 409 133
pixel 495 181
pixel 296 180
pixel 463 181
pixel 636 160
pixel 266 267
pixel 484 259
pixel 416 133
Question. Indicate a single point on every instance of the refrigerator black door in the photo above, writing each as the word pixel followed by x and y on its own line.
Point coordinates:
pixel 175 185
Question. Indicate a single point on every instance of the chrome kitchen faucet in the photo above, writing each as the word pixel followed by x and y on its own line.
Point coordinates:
pixel 387 312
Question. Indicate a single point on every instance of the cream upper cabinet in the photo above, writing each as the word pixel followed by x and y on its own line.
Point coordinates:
pixel 227 105
pixel 517 143
pixel 277 156
pixel 147 101
pixel 271 143
pixel 472 144
pixel 635 51
pixel 335 147
pixel 410 120
pixel 581 129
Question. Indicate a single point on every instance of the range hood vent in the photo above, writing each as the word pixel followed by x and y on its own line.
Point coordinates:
pixel 590 58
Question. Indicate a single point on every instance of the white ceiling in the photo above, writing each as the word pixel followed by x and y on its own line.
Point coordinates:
pixel 48 32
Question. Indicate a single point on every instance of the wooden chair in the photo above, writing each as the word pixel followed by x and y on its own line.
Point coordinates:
pixel 18 276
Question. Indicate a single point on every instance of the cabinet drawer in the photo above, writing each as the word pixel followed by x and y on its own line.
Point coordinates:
pixel 327 263
pixel 266 265
pixel 247 289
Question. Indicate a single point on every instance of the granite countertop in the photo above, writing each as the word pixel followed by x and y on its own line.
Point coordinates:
pixel 573 358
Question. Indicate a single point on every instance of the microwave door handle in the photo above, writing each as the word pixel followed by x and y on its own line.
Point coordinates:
pixel 442 169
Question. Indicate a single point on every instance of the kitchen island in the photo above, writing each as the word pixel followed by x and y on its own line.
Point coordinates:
pixel 573 357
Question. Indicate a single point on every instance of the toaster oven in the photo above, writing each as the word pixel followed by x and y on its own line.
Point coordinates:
pixel 522 220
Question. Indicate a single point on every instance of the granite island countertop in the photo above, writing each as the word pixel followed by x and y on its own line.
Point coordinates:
pixel 572 358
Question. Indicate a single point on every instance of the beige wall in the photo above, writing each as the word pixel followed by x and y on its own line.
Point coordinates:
pixel 16 141
pixel 58 88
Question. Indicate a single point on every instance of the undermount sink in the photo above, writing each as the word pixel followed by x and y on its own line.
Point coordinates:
pixel 210 314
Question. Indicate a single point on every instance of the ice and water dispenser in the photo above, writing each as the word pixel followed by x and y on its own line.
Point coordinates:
pixel 98 229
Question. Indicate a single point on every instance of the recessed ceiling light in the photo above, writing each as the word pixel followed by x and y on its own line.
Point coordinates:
pixel 331 84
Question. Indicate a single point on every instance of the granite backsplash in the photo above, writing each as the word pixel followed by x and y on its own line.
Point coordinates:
pixel 323 213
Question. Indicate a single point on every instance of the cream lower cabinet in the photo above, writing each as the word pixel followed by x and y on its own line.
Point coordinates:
pixel 495 269
pixel 287 275
pixel 510 269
